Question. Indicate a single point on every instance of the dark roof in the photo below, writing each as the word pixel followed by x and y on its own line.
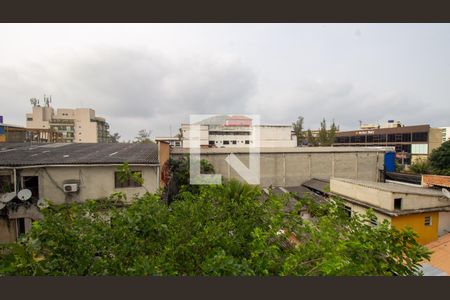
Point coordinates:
pixel 316 184
pixel 299 192
pixel 26 154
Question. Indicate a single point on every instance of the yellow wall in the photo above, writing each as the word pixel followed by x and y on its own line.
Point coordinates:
pixel 417 223
pixel 2 138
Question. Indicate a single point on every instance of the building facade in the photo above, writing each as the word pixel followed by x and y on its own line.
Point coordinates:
pixel 445 134
pixel 236 131
pixel 79 125
pixel 71 173
pixel 426 211
pixel 410 142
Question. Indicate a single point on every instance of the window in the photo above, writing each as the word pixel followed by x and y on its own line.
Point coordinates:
pixel 391 137
pixel 226 142
pixel 128 183
pixel 29 119
pixel 247 142
pixel 398 203
pixel 348 211
pixel 420 136
pixel 233 142
pixel 428 221
pixel 374 221
pixel 20 226
pixel 211 143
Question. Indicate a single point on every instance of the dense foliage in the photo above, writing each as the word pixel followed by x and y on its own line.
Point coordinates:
pixel 421 166
pixel 440 159
pixel 228 229
pixel 180 178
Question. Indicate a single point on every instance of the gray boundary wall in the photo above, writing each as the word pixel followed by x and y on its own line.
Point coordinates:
pixel 293 166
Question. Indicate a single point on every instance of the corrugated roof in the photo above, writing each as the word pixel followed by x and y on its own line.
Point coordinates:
pixel 317 184
pixel 26 154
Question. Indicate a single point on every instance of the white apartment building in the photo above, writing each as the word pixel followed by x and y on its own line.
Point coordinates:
pixel 78 125
pixel 445 134
pixel 237 131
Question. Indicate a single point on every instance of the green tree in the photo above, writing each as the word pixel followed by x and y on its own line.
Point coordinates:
pixel 323 134
pixel 420 166
pixel 440 159
pixel 331 135
pixel 312 141
pixel 228 229
pixel 298 130
pixel 143 136
pixel 114 138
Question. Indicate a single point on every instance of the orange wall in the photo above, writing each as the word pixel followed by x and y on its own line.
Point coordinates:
pixel 417 223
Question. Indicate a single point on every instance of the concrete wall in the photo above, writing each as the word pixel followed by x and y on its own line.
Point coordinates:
pixel 95 182
pixel 292 167
pixel 8 231
pixel 444 223
pixel 434 139
pixel 358 209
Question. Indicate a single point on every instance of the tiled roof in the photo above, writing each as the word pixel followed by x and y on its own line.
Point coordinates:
pixel 26 154
pixel 440 258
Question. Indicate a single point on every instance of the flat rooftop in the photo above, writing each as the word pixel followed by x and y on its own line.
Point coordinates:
pixel 27 154
pixel 286 150
pixel 394 188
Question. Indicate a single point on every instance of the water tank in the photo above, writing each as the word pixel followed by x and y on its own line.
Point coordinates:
pixel 389 161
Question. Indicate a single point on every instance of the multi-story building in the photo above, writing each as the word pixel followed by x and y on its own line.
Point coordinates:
pixel 238 131
pixel 19 134
pixel 445 134
pixel 410 142
pixel 78 125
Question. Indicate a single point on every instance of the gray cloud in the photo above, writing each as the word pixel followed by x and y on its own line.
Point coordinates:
pixel 134 89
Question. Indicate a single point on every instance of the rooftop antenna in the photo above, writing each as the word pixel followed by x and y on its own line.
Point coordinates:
pixel 47 100
pixel 360 123
pixel 34 101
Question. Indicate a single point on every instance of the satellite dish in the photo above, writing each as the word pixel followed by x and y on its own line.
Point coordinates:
pixel 2 205
pixel 5 198
pixel 24 194
pixel 42 204
pixel 446 193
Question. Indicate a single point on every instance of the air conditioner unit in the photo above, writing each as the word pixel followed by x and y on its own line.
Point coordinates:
pixel 70 187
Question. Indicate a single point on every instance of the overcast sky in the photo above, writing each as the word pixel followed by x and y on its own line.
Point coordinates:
pixel 152 76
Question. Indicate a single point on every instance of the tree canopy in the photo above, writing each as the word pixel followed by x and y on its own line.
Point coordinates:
pixel 143 136
pixel 228 229
pixel 298 130
pixel 440 159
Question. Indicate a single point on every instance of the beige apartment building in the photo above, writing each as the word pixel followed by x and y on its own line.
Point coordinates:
pixel 79 125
